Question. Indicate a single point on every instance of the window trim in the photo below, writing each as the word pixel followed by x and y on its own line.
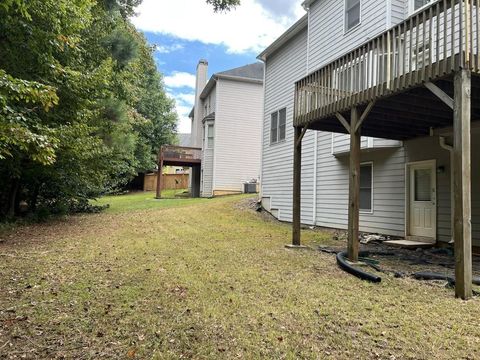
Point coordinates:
pixel 278 141
pixel 411 7
pixel 353 28
pixel 364 211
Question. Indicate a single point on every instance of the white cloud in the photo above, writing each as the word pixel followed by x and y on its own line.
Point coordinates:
pixel 180 79
pixel 184 123
pixel 166 49
pixel 188 99
pixel 183 105
pixel 250 27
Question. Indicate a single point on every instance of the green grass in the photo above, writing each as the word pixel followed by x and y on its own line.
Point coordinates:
pixel 144 201
pixel 209 279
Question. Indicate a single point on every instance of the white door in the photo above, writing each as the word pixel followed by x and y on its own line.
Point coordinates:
pixel 423 200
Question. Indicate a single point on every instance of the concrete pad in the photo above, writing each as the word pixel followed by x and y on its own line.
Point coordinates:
pixel 408 244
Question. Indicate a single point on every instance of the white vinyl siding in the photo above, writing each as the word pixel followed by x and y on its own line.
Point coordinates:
pixel 238 129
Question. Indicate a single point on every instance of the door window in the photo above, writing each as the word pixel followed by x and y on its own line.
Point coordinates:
pixel 423 183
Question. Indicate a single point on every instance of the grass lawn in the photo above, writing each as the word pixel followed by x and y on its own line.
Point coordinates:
pixel 200 278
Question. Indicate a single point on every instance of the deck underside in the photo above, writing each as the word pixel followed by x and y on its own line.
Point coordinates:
pixel 407 115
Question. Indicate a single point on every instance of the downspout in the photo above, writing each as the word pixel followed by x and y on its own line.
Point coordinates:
pixel 449 148
pixel 264 61
pixel 315 144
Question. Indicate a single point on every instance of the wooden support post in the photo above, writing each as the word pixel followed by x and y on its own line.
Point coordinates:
pixel 297 185
pixel 462 233
pixel 354 188
pixel 160 175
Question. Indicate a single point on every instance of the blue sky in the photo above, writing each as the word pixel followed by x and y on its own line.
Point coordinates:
pixel 185 31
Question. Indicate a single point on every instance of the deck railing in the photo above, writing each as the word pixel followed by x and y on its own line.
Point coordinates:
pixel 433 42
pixel 181 153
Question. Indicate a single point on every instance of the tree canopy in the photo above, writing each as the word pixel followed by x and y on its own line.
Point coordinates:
pixel 223 5
pixel 82 105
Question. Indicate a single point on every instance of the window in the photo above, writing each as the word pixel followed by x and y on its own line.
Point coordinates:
pixel 366 187
pixel 418 4
pixel 210 138
pixel 352 14
pixel 278 126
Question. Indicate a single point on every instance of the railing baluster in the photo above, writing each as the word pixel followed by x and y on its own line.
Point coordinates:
pixel 452 45
pixel 437 42
pixel 477 23
pixel 431 43
pixel 410 53
pixel 461 39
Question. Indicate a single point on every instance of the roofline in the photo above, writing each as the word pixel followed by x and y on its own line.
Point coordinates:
pixel 306 4
pixel 287 35
pixel 192 113
pixel 211 83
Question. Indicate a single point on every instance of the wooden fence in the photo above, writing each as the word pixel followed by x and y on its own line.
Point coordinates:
pixel 170 182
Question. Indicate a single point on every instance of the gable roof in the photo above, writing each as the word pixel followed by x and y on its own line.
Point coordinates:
pixel 250 71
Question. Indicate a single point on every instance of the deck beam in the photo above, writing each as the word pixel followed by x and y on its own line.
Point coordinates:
pixel 462 232
pixel 354 187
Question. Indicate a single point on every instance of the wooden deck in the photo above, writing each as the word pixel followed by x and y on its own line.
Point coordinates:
pixel 419 76
pixel 171 155
pixel 392 69
pixel 180 156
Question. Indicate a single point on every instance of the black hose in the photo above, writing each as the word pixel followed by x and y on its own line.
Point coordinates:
pixel 426 275
pixel 344 265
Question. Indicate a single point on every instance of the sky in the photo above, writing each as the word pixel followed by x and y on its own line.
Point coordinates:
pixel 185 31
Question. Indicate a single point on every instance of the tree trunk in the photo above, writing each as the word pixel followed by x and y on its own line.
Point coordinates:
pixel 13 198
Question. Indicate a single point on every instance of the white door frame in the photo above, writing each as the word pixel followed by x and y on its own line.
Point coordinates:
pixel 433 164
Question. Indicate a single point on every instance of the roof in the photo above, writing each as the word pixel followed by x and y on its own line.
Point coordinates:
pixel 184 139
pixel 209 117
pixel 295 29
pixel 249 73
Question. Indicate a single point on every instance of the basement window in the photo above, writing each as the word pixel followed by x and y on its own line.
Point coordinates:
pixel 352 14
pixel 278 126
pixel 366 187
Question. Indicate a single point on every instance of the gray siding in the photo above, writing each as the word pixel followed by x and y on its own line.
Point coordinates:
pixel 388 189
pixel 429 149
pixel 399 12
pixel 282 70
pixel 327 28
pixel 238 126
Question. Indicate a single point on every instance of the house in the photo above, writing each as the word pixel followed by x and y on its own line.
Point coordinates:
pixel 368 109
pixel 226 125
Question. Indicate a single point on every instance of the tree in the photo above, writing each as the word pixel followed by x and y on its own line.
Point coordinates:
pixel 82 106
pixel 223 5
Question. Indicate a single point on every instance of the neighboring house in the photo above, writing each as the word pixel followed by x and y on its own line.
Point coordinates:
pixel 226 125
pixel 389 70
